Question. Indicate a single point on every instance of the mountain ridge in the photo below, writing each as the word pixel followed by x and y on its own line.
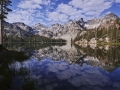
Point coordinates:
pixel 69 31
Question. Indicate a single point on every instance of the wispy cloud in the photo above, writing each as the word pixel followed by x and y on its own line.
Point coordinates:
pixel 91 7
pixel 52 11
pixel 29 5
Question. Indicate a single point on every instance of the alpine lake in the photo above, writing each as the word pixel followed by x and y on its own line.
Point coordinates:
pixel 61 66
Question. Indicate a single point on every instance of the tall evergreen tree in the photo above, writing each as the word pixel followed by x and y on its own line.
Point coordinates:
pixel 3 12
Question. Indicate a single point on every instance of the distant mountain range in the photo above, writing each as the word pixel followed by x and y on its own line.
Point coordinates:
pixel 68 31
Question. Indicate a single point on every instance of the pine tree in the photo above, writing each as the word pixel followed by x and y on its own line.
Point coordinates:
pixel 3 12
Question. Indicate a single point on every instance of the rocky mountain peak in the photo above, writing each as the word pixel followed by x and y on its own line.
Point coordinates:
pixel 70 21
pixel 94 21
pixel 55 27
pixel 110 16
pixel 81 22
pixel 19 24
pixel 56 24
pixel 39 26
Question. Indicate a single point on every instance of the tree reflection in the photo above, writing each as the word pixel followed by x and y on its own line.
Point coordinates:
pixel 6 58
pixel 108 56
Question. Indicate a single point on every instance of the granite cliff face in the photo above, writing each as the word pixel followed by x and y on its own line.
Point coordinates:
pixel 93 23
pixel 17 29
pixel 39 28
pixel 23 26
pixel 67 31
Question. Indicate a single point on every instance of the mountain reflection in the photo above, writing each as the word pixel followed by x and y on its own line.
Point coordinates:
pixel 48 74
pixel 68 68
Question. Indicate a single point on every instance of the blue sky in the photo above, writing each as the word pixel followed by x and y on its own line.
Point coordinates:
pixel 49 12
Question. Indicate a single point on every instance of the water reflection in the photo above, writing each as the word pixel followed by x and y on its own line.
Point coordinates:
pixel 68 68
pixel 108 56
pixel 51 75
pixel 8 57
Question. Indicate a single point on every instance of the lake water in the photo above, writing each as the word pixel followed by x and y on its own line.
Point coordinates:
pixel 57 67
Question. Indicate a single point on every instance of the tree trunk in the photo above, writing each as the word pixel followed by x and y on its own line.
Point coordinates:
pixel 1 25
pixel 1 42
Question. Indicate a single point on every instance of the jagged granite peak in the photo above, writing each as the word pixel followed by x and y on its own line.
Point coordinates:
pixel 39 26
pixel 93 23
pixel 81 20
pixel 110 16
pixel 66 31
pixel 55 27
pixel 96 22
pixel 70 21
pixel 56 24
pixel 81 23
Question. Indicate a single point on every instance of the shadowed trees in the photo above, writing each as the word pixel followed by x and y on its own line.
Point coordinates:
pixel 3 12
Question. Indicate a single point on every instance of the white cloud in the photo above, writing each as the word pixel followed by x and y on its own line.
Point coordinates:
pixel 67 9
pixel 56 17
pixel 117 1
pixel 53 16
pixel 27 4
pixel 63 18
pixel 33 4
pixel 90 13
pixel 64 8
pixel 91 7
pixel 28 11
pixel 21 16
pixel 49 12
